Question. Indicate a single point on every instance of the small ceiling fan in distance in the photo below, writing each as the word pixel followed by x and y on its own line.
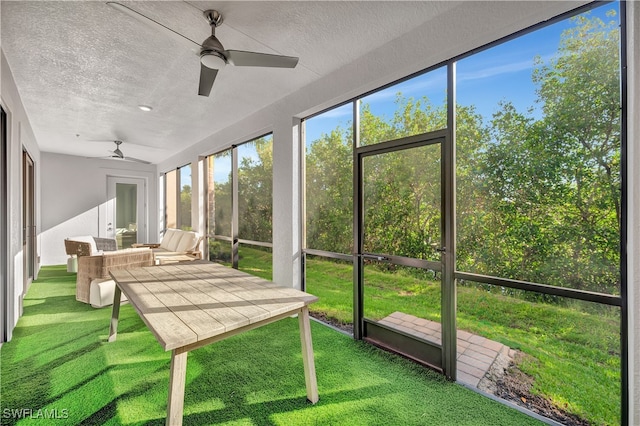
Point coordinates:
pixel 117 154
pixel 213 56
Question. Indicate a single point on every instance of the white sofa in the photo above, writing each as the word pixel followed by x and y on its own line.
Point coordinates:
pixel 175 243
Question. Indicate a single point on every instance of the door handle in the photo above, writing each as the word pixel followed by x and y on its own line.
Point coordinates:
pixel 376 257
pixel 438 249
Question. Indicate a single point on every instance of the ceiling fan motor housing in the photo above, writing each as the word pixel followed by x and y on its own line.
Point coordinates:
pixel 211 52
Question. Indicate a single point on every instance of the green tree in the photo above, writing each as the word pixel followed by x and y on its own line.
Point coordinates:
pixel 185 208
pixel 329 188
pixel 552 184
pixel 255 193
pixel 580 92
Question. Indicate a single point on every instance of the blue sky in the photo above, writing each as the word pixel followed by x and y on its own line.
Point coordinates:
pixel 185 176
pixel 483 79
pixel 222 166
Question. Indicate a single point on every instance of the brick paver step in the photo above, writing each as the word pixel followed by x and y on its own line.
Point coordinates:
pixel 476 353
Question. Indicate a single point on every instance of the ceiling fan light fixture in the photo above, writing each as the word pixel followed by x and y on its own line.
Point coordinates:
pixel 212 60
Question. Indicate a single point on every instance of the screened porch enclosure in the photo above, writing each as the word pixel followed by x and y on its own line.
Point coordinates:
pixel 498 246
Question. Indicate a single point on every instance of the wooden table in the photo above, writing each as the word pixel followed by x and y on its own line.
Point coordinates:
pixel 187 306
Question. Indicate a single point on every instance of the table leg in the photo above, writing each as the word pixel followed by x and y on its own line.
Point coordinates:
pixel 307 355
pixel 177 378
pixel 115 314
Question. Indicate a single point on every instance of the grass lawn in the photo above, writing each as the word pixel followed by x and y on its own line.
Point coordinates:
pixel 574 351
pixel 253 260
pixel 59 362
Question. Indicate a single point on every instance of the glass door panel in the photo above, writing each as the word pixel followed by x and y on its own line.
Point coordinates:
pixel 125 217
pixel 126 214
pixel 403 203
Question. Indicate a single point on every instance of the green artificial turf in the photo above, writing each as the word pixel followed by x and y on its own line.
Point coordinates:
pixel 59 364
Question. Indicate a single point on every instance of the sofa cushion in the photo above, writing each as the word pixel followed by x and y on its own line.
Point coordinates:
pixel 187 242
pixel 169 235
pixel 175 241
pixel 87 239
pixel 101 292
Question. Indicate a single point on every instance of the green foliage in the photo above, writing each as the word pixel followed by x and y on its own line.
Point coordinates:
pixel 220 212
pixel 538 199
pixel 550 197
pixel 329 167
pixel 255 194
pixel 220 251
pixel 185 208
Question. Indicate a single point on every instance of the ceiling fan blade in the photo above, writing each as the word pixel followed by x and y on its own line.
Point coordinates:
pixel 156 25
pixel 128 143
pixel 115 157
pixel 241 58
pixel 207 77
pixel 136 160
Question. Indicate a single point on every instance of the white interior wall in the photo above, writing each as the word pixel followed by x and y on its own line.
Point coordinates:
pixel 20 137
pixel 74 191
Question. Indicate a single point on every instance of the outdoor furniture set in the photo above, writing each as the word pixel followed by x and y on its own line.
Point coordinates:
pixel 93 258
pixel 186 305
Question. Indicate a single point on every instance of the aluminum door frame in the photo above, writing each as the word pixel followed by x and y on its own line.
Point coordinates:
pixel 447 362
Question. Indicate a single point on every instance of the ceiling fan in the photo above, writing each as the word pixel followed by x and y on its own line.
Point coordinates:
pixel 213 56
pixel 119 155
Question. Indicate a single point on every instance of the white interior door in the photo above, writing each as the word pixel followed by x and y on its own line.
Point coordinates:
pixel 126 210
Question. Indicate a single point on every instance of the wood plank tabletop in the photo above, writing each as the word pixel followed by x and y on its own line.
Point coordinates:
pixel 187 303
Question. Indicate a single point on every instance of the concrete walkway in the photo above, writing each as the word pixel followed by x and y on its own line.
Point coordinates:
pixel 476 354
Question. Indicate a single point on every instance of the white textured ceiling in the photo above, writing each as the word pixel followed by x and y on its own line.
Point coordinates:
pixel 83 67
